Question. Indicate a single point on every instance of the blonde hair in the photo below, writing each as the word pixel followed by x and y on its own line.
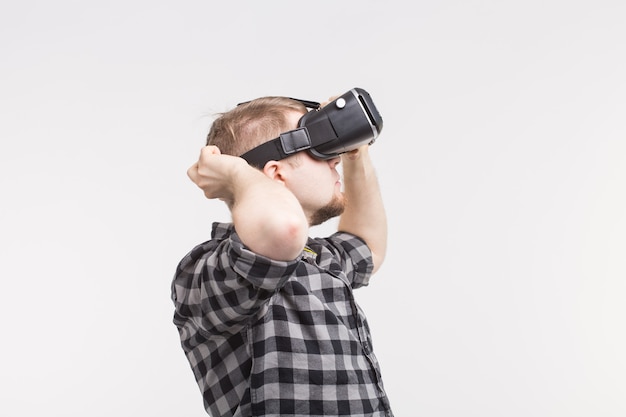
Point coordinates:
pixel 250 124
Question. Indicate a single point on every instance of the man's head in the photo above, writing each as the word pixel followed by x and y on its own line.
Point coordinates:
pixel 314 182
pixel 253 123
pixel 344 124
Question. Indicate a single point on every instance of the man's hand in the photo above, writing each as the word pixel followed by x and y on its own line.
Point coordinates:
pixel 354 154
pixel 213 173
pixel 324 103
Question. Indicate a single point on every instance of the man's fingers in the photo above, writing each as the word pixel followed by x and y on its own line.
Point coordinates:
pixel 205 152
pixel 329 100
pixel 192 172
pixel 210 150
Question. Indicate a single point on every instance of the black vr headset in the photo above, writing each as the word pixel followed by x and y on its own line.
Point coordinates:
pixel 343 125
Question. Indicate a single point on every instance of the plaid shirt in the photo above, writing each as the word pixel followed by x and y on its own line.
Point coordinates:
pixel 273 338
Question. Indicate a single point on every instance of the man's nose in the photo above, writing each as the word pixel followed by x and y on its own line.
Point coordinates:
pixel 333 162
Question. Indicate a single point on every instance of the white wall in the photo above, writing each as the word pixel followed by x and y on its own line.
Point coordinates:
pixel 502 161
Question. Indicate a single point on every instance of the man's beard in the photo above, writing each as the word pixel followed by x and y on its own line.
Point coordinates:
pixel 333 209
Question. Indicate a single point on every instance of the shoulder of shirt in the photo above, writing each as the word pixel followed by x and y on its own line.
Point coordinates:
pixel 222 230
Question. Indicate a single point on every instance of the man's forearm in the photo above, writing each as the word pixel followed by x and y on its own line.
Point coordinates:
pixel 364 215
pixel 268 217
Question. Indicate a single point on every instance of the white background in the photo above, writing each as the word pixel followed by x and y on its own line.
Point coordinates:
pixel 502 163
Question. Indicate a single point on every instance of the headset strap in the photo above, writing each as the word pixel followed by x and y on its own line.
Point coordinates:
pixel 279 148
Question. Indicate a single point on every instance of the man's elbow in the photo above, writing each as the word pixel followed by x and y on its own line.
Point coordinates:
pixel 377 261
pixel 292 239
pixel 285 240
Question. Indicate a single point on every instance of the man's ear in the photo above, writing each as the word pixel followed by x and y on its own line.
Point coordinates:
pixel 273 170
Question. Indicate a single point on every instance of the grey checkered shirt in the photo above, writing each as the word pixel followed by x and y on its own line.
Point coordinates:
pixel 273 338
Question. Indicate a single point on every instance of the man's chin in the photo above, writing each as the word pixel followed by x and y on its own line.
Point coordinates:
pixel 333 209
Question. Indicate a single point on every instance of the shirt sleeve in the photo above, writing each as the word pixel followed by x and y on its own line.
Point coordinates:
pixel 221 285
pixel 354 257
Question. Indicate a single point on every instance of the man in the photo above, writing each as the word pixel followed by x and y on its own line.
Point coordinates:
pixel 266 314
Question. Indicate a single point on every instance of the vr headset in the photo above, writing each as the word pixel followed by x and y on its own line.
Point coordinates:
pixel 345 124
